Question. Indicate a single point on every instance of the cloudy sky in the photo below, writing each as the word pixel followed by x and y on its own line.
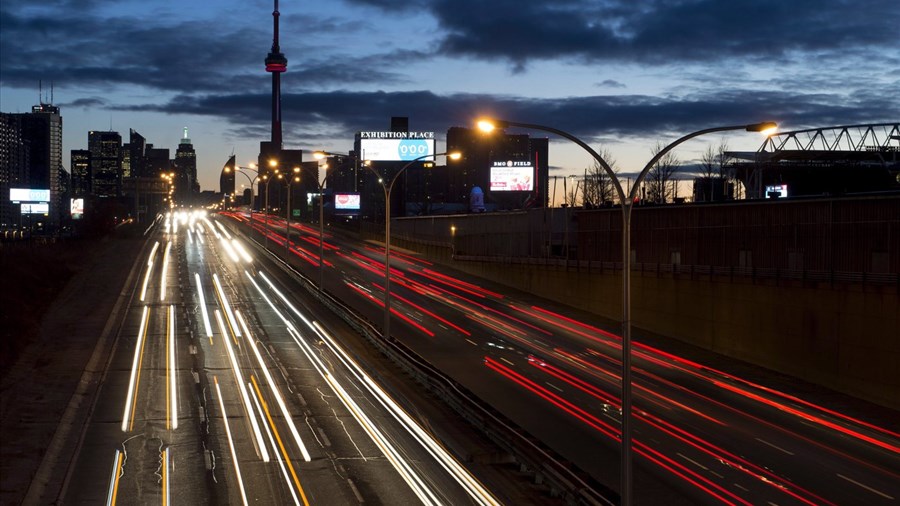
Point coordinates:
pixel 619 74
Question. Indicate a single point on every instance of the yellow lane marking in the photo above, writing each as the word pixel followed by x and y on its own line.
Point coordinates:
pixel 278 439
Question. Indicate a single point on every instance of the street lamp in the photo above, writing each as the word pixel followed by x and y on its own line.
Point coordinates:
pixel 238 170
pixel 388 186
pixel 268 180
pixel 287 234
pixel 319 155
pixel 627 201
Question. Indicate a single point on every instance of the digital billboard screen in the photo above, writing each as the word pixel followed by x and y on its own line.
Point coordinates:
pixel 346 201
pixel 396 150
pixel 777 191
pixel 77 208
pixel 29 195
pixel 512 177
pixel 40 208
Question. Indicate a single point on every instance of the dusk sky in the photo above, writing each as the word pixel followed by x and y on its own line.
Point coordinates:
pixel 621 75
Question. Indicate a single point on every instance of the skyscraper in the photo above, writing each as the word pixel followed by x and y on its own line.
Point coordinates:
pixel 186 170
pixel 106 163
pixel 80 164
pixel 32 146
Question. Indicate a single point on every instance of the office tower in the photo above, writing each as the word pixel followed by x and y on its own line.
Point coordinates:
pixel 106 163
pixel 80 164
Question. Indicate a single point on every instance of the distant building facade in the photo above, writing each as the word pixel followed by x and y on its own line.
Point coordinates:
pixel 105 163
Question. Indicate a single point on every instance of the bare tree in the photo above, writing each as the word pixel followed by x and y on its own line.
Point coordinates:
pixel 714 170
pixel 657 180
pixel 598 185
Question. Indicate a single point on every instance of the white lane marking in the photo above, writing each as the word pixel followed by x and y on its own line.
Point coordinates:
pixel 742 488
pixel 870 489
pixel 692 461
pixel 508 362
pixel 772 503
pixel 551 385
pixel 473 343
pixel 717 475
pixel 773 446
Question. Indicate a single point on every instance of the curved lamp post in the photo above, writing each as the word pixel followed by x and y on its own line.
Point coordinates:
pixel 627 201
pixel 388 186
pixel 239 170
pixel 267 179
pixel 287 230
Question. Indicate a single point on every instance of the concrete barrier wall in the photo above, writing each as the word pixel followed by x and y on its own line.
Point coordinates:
pixel 845 336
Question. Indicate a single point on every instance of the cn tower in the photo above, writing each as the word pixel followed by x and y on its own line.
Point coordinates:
pixel 276 63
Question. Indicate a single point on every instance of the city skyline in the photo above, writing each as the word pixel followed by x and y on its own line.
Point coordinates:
pixel 620 77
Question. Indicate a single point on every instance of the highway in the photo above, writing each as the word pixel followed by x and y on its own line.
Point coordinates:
pixel 712 436
pixel 225 388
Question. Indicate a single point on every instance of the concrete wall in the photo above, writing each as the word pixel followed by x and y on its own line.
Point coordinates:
pixel 842 335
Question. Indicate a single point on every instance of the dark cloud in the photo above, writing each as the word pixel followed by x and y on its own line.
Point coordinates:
pixel 590 118
pixel 85 103
pixel 662 31
pixel 610 83
pixel 78 50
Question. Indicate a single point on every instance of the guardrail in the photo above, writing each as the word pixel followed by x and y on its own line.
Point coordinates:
pixel 563 480
pixel 754 273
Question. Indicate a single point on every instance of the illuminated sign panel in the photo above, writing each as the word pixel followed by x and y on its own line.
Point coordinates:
pixel 41 208
pixel 512 176
pixel 396 146
pixel 29 195
pixel 77 208
pixel 346 201
pixel 777 191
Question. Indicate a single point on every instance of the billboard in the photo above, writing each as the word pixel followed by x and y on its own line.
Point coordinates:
pixel 396 146
pixel 346 201
pixel 777 191
pixel 29 195
pixel 77 208
pixel 41 208
pixel 512 176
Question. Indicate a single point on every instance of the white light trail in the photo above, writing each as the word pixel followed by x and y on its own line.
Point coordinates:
pixel 240 249
pixel 275 450
pixel 278 398
pixel 149 270
pixel 152 252
pixel 222 228
pixel 260 444
pixel 203 310
pixel 173 368
pixel 114 481
pixel 211 228
pixel 237 467
pixel 167 490
pixel 134 368
pixel 231 322
pixel 468 482
pixel 229 249
pixel 409 475
pixel 162 290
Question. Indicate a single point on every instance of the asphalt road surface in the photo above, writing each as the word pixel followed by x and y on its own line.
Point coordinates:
pixel 713 436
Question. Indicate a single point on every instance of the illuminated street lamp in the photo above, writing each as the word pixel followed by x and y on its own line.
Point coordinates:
pixel 238 170
pixel 388 186
pixel 287 237
pixel 320 155
pixel 627 201
pixel 268 180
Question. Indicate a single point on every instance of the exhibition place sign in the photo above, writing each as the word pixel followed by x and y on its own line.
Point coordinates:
pixel 396 135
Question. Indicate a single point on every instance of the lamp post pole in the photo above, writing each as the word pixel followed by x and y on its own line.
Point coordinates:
pixel 287 241
pixel 239 170
pixel 321 186
pixel 388 186
pixel 268 180
pixel 627 200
